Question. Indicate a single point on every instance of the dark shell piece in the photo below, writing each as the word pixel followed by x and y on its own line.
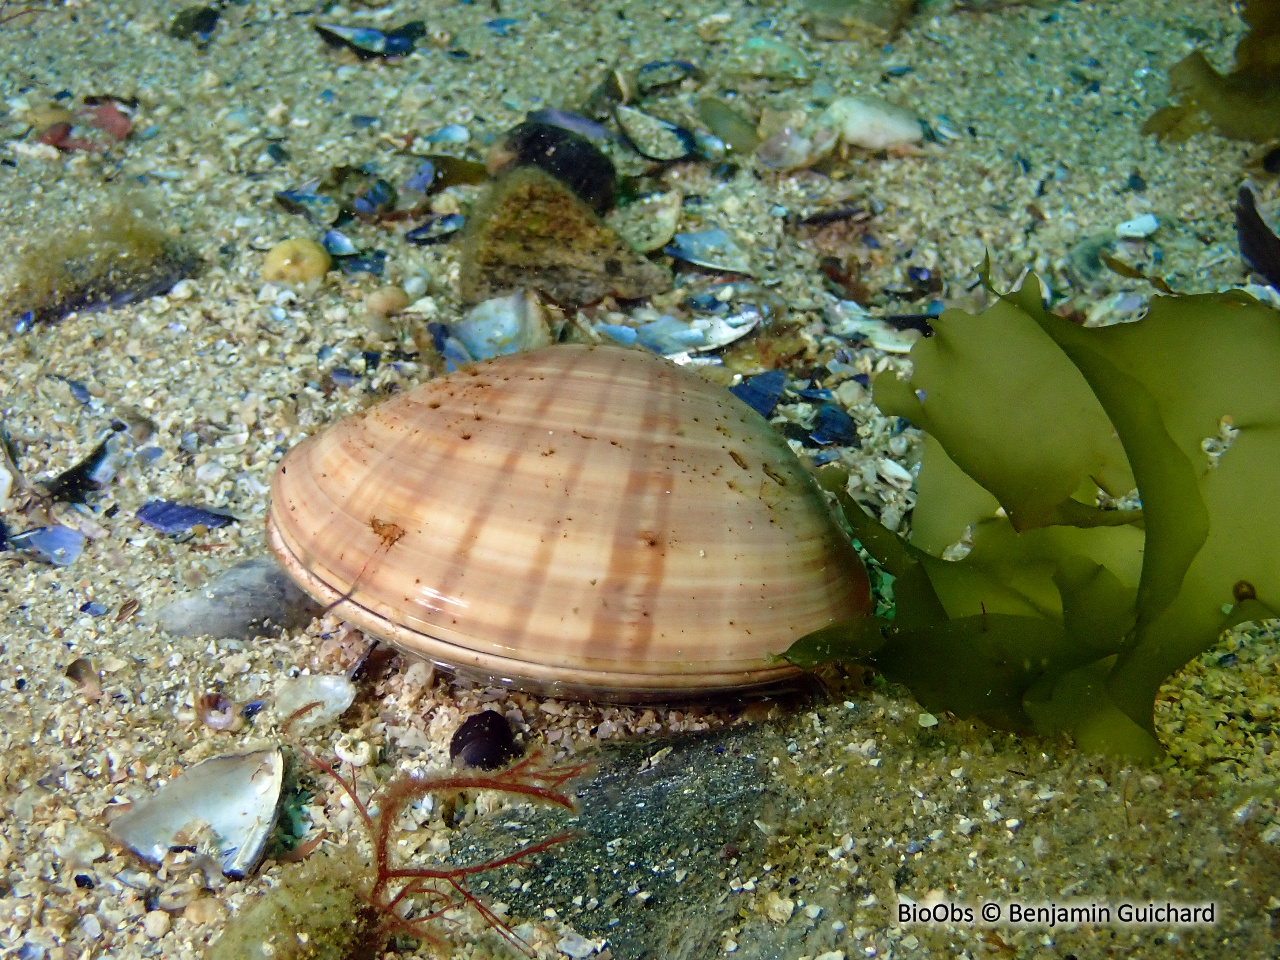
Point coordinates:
pixel 569 157
pixel 484 740
pixel 372 261
pixel 194 23
pixel 374 199
pixel 1259 244
pixel 652 137
pixel 368 42
pixel 663 73
pixel 169 517
pixel 436 229
pixel 761 392
pixel 305 201
pixel 832 426
pixel 88 476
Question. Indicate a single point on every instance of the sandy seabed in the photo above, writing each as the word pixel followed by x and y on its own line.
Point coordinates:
pixel 870 807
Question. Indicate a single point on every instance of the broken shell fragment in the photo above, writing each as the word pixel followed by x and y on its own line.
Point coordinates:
pixel 225 806
pixel 652 137
pixel 586 521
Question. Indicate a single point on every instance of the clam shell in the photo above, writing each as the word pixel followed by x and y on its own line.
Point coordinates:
pixel 585 521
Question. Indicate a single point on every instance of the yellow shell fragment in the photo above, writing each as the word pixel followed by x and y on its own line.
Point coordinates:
pixel 295 261
pixel 588 521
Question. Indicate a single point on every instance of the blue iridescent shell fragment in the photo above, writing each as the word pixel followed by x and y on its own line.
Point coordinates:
pixel 501 26
pixel 761 392
pixel 667 336
pixel 368 42
pixel 54 544
pixel 833 427
pixel 449 133
pixel 374 199
pixel 374 262
pixel 169 517
pixel 436 229
pixel 713 249
pixel 338 244
pixel 422 178
pixel 307 202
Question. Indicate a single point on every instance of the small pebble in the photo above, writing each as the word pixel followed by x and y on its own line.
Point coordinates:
pixel 156 924
pixel 1138 228
pixel 244 601
pixel 385 301
pixel 205 910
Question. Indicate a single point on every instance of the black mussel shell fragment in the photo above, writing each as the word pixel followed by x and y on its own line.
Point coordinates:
pixel 90 475
pixel 1270 162
pixel 761 392
pixel 569 157
pixel 436 229
pixel 653 137
pixel 194 23
pixel 373 261
pixel 833 426
pixel 1259 244
pixel 368 42
pixel 374 198
pixel 169 517
pixel 306 201
pixel 484 740
pixel 664 73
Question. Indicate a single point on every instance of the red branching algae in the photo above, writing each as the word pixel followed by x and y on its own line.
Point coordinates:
pixel 342 907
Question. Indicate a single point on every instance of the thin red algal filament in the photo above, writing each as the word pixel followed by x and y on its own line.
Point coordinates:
pixel 444 888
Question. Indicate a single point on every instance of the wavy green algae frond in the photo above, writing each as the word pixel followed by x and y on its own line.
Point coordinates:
pixel 1241 104
pixel 1066 616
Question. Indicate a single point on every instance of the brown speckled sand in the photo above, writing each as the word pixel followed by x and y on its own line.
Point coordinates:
pixel 1045 102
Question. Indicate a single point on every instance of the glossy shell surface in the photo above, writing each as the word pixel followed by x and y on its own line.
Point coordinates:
pixel 585 521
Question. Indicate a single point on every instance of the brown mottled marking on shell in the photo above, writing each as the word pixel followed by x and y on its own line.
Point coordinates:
pixel 591 521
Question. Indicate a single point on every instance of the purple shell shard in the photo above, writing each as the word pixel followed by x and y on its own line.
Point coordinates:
pixel 169 517
pixel 54 544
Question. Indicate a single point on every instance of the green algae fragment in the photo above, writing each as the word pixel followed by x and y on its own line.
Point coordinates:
pixel 1064 615
pixel 1240 104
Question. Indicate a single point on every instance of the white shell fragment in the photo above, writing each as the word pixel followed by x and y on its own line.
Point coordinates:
pixel 334 694
pixel 225 806
pixel 587 521
pixel 847 318
pixel 872 124
pixel 1138 228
